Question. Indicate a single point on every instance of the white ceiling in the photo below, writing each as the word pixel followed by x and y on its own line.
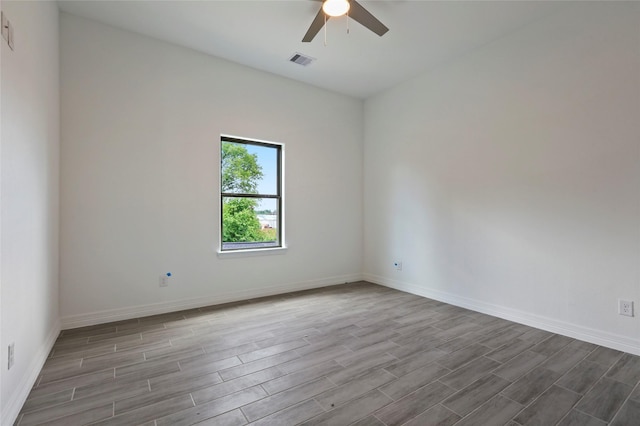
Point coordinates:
pixel 264 34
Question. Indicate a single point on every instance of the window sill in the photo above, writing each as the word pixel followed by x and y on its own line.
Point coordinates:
pixel 231 254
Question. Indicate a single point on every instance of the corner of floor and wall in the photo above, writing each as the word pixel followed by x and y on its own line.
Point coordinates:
pixel 506 181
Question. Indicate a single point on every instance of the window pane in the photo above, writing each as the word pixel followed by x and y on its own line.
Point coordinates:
pixel 249 223
pixel 249 169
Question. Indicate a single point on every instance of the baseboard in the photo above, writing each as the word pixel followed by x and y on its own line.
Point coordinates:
pixel 598 337
pixel 101 317
pixel 19 395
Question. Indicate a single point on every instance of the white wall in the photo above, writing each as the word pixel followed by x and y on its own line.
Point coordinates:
pixel 29 188
pixel 141 123
pixel 509 180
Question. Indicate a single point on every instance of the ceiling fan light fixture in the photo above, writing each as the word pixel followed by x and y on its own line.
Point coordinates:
pixel 335 7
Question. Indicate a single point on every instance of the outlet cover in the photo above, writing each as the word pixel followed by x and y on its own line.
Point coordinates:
pixel 10 356
pixel 164 281
pixel 625 307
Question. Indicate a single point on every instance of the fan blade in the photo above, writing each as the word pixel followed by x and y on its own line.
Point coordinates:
pixel 362 16
pixel 315 27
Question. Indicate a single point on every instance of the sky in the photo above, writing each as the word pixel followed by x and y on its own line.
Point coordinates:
pixel 267 158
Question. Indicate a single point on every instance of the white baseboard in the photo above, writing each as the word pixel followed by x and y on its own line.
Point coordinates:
pixel 101 317
pixel 598 337
pixel 21 392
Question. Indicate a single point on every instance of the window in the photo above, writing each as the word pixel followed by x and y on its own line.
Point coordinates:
pixel 250 194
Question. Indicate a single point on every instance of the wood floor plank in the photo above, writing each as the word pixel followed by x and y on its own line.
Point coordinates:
pixel 368 421
pixel 565 359
pixel 414 404
pixel 192 415
pixel 272 350
pixel 497 411
pixel 261 364
pixel 509 350
pixel 519 365
pixel 605 356
pixel 435 416
pixel 117 389
pixel 314 358
pixel 414 347
pixel 463 356
pixel 292 415
pixel 63 410
pixel 94 364
pixel 406 365
pixel 351 411
pixel 84 417
pixel 147 369
pixel 469 373
pixel 290 380
pixel 457 343
pixel 230 418
pixel 141 346
pixel 365 353
pixel 282 400
pixel 84 351
pixel 531 385
pixel 360 369
pixel 413 381
pixel 550 408
pixel 185 374
pixel 626 370
pixel 552 345
pixel 583 376
pixel 535 336
pixel 605 399
pixel 294 335
pixel 47 400
pixel 474 395
pixel 371 339
pixel 502 338
pixel 578 418
pixel 159 393
pixel 235 385
pixel 628 414
pixel 104 376
pixel 353 389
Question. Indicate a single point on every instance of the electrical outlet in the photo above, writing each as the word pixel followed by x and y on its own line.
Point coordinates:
pixel 10 356
pixel 164 279
pixel 397 264
pixel 625 307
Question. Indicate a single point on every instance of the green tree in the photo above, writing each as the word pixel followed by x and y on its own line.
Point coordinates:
pixel 240 169
pixel 240 221
pixel 240 174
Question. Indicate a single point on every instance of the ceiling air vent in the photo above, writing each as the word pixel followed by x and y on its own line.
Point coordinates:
pixel 301 59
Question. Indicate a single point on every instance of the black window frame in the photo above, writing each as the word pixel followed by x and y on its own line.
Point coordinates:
pixel 278 196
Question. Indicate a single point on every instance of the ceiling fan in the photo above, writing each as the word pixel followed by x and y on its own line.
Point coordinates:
pixel 334 8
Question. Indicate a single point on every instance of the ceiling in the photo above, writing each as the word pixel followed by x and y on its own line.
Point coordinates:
pixel 264 34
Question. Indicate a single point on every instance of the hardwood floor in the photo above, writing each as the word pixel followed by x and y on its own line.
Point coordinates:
pixel 354 354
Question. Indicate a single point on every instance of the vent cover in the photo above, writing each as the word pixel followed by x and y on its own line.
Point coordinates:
pixel 300 59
